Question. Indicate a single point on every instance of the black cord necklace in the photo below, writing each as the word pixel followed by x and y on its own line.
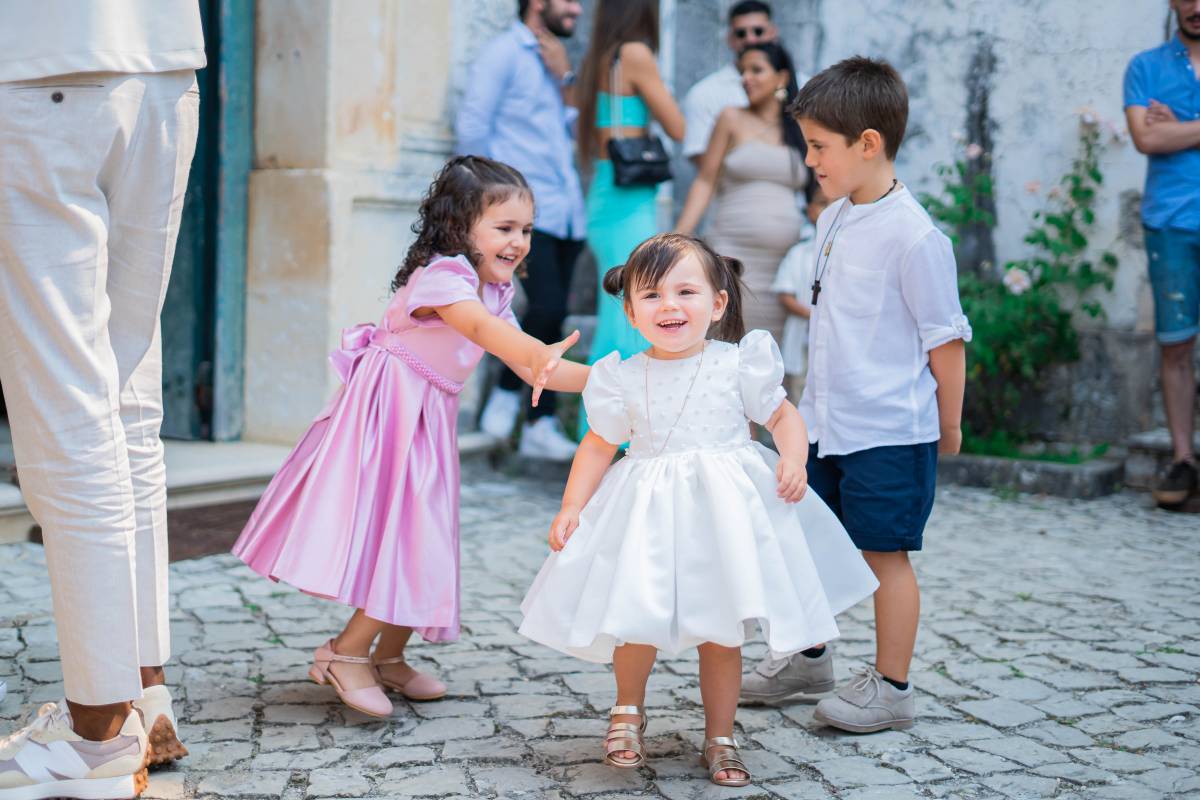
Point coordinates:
pixel 831 235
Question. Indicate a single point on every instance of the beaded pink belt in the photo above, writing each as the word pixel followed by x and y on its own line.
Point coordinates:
pixel 356 340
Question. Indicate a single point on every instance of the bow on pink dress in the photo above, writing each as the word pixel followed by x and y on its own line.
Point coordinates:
pixel 365 508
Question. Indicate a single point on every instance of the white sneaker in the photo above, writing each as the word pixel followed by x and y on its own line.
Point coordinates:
pixel 159 720
pixel 500 413
pixel 47 759
pixel 545 439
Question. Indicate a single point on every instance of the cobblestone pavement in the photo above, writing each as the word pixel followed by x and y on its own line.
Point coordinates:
pixel 1058 657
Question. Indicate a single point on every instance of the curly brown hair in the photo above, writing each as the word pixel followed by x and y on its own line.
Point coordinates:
pixel 456 199
pixel 651 260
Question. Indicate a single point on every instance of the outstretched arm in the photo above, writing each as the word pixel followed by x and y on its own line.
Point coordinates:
pixel 791 437
pixel 591 462
pixel 570 376
pixel 501 339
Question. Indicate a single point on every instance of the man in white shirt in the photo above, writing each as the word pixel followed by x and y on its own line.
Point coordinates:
pixel 99 113
pixel 749 23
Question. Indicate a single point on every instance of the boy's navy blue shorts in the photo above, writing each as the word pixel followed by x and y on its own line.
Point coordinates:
pixel 882 495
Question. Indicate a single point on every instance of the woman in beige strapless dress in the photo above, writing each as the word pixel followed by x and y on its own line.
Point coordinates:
pixel 753 171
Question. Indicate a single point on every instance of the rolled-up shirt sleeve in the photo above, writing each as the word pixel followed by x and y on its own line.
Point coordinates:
pixel 929 284
pixel 474 122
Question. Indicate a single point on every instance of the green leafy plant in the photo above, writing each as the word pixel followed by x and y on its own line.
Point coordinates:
pixel 1023 315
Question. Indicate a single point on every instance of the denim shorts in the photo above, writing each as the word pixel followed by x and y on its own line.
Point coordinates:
pixel 1175 276
pixel 883 495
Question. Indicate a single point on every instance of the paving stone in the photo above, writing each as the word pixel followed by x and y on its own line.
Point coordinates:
pixel 337 783
pixel 218 755
pixel 442 730
pixel 921 768
pixel 305 760
pixel 975 761
pixel 311 715
pixel 1155 675
pixel 794 744
pixel 429 782
pixel 524 706
pixel 1115 760
pixel 288 738
pixel 511 781
pixel 166 786
pixel 809 790
pixel 399 756
pixel 704 789
pixel 1147 738
pixel 492 748
pixel 1001 712
pixel 1076 773
pixel 849 771
pixel 243 784
pixel 946 734
pixel 1021 750
pixel 1171 780
pixel 594 777
pixel 1146 712
pixel 1023 787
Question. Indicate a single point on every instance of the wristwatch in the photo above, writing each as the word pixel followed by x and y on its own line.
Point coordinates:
pixel 567 80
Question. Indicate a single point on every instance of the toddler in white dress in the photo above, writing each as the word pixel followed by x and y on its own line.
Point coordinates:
pixel 699 533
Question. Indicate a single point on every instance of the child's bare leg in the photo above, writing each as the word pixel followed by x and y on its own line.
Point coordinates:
pixel 632 664
pixel 720 682
pixel 355 640
pixel 897 612
pixel 392 642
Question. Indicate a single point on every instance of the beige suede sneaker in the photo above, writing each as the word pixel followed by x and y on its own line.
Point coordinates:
pixel 48 759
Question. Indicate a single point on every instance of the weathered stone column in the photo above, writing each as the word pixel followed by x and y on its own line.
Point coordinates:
pixel 351 123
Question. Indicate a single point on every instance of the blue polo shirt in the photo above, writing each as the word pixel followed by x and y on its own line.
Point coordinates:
pixel 1165 74
pixel 512 110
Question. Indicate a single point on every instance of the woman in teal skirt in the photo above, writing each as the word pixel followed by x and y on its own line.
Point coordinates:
pixel 624 34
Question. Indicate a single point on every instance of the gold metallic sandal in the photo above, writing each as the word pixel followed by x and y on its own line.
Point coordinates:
pixel 625 736
pixel 727 759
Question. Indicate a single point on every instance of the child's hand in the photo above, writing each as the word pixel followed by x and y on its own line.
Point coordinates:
pixel 546 360
pixel 951 441
pixel 563 526
pixel 793 479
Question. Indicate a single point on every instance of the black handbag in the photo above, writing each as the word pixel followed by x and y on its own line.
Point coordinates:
pixel 638 160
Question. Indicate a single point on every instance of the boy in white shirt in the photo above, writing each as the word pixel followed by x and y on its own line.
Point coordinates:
pixel 886 371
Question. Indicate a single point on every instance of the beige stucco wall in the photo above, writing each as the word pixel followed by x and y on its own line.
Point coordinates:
pixel 352 119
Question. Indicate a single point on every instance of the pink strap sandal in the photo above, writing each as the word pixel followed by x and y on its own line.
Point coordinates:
pixel 419 687
pixel 369 699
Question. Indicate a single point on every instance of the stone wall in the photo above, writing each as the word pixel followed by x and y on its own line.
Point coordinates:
pixel 354 103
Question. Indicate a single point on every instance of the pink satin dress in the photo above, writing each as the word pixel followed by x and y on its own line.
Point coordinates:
pixel 365 508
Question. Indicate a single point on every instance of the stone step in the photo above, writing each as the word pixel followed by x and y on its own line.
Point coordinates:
pixel 209 473
pixel 1150 453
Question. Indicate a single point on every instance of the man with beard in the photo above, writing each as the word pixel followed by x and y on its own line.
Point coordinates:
pixel 1162 104
pixel 516 109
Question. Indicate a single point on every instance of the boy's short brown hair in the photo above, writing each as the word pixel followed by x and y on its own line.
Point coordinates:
pixel 854 95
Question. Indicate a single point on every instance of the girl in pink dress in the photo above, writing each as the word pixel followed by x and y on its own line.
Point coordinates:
pixel 365 509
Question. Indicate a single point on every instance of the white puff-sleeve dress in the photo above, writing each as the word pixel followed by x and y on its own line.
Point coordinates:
pixel 685 540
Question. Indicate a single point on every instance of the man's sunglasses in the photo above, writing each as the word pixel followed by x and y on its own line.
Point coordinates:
pixel 743 33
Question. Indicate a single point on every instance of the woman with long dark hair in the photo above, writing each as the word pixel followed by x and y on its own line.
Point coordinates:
pixel 754 167
pixel 624 32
